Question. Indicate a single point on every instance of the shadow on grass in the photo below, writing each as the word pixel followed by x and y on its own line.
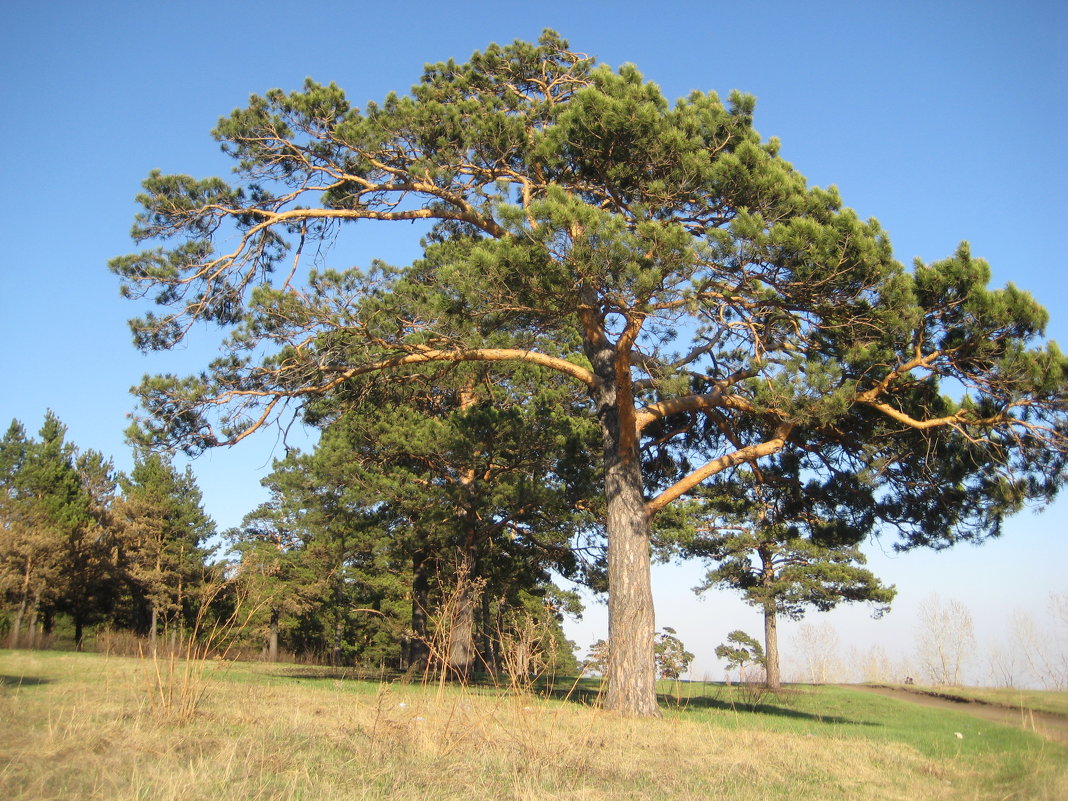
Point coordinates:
pixel 589 692
pixel 760 708
pixel 22 681
pixel 332 673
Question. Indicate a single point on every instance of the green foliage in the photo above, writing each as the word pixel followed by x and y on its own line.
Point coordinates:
pixel 740 650
pixel 786 544
pixel 53 551
pixel 162 532
pixel 672 658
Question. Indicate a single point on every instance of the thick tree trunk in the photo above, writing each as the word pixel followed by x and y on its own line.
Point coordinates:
pixel 461 634
pixel 771 647
pixel 631 670
pixel 631 673
pixel 272 637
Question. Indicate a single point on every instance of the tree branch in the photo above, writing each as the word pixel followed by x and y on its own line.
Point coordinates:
pixel 747 454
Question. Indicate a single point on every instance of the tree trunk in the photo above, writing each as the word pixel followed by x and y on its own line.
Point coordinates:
pixel 487 636
pixel 631 674
pixel 16 627
pixel 771 647
pixel 417 651
pixel 631 670
pixel 31 626
pixel 461 634
pixel 272 637
pixel 335 654
pixel 153 623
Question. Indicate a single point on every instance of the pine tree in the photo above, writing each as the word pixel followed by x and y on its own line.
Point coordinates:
pixel 90 567
pixel 163 530
pixel 787 544
pixel 662 257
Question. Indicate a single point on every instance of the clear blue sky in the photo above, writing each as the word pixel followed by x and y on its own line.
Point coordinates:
pixel 946 121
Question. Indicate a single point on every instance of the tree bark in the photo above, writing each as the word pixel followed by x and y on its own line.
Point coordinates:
pixel 631 669
pixel 335 653
pixel 631 673
pixel 771 647
pixel 631 666
pixel 272 637
pixel 16 627
pixel 488 636
pixel 417 650
pixel 31 626
pixel 461 634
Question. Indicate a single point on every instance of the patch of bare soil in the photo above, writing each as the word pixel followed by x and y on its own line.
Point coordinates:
pixel 1048 724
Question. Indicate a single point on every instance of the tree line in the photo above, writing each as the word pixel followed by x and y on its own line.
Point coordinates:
pixel 398 552
pixel 82 541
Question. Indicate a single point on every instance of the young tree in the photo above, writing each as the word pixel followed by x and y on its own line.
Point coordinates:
pixel 672 658
pixel 596 660
pixel 91 572
pixel 740 650
pixel 323 560
pixel 17 561
pixel 274 576
pixel 662 257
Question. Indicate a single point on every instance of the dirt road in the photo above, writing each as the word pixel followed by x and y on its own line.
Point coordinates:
pixel 1051 726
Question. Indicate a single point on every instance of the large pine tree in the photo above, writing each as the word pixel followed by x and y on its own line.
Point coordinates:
pixel 661 256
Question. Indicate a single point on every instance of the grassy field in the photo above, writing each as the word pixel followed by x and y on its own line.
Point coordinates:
pixel 84 726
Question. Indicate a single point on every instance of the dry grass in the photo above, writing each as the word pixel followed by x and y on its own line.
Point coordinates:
pixel 79 726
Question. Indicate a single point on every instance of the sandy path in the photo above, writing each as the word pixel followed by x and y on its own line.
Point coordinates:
pixel 1049 725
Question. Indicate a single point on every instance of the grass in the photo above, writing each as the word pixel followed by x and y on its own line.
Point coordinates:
pixel 85 726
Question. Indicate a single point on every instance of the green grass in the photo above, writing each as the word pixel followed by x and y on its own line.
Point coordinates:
pixel 90 727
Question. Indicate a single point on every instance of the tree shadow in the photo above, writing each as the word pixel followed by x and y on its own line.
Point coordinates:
pixel 22 681
pixel 588 692
pixel 758 708
pixel 326 673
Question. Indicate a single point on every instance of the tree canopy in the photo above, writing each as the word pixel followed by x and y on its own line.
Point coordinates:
pixel 662 257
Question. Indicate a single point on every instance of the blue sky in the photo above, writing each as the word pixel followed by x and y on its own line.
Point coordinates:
pixel 945 121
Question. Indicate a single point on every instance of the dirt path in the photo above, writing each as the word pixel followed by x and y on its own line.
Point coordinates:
pixel 1049 725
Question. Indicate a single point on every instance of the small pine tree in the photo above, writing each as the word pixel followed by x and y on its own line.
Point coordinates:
pixel 739 651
